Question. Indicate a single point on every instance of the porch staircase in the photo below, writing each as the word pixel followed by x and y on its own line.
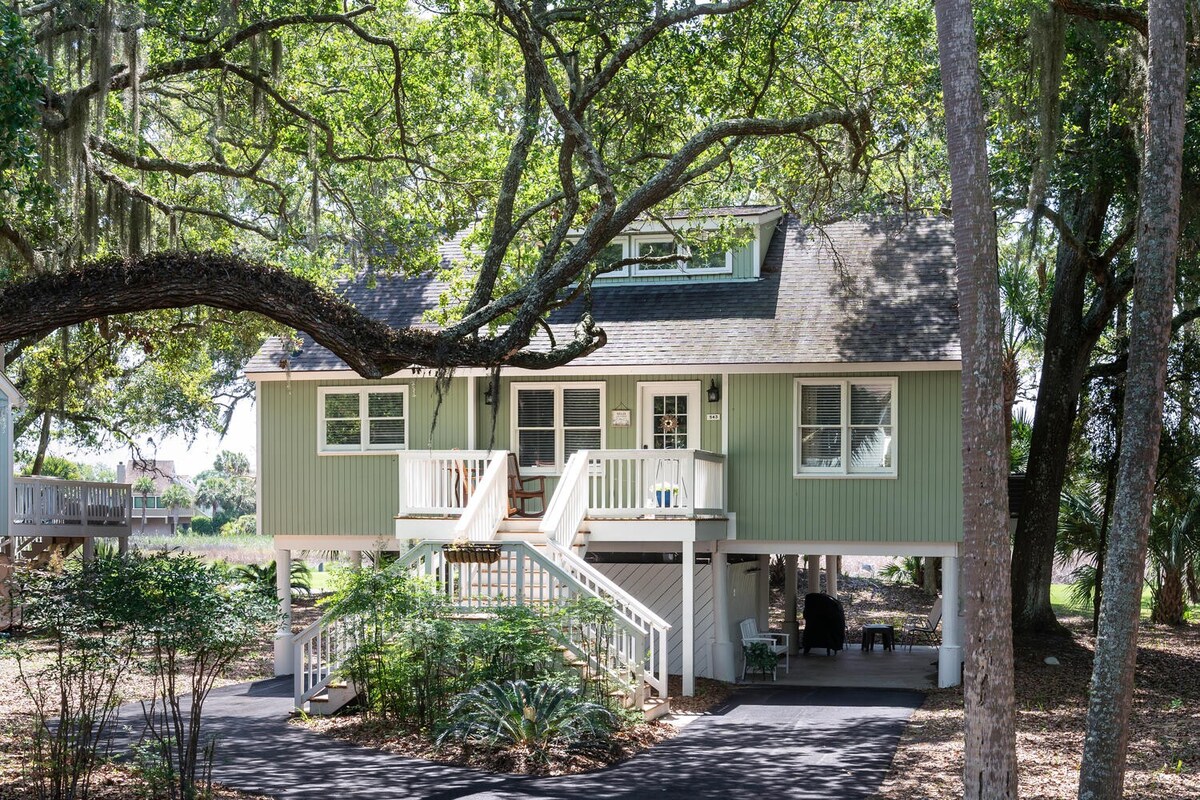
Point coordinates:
pixel 539 565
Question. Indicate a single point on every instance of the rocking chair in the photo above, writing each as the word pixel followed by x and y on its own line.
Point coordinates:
pixel 518 495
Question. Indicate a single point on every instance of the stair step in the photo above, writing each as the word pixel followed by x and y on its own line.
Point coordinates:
pixel 656 707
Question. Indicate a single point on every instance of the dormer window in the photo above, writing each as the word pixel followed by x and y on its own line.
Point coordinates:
pixel 712 263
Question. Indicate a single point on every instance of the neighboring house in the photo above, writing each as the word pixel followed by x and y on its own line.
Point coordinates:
pixel 158 514
pixel 43 518
pixel 798 395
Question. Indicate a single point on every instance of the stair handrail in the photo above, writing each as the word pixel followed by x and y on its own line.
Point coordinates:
pixel 569 504
pixel 319 650
pixel 488 504
pixel 654 627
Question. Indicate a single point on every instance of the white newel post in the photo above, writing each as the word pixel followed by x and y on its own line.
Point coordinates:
pixel 812 565
pixel 689 618
pixel 283 591
pixel 763 606
pixel 722 648
pixel 790 626
pixel 831 576
pixel 950 654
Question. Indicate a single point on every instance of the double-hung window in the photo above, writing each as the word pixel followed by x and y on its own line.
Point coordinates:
pixel 551 421
pixel 358 420
pixel 845 427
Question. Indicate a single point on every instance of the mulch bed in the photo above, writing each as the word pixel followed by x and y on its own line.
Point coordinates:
pixel 1164 742
pixel 357 728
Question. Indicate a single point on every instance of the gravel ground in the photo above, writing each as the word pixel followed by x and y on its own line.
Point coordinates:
pixel 1164 749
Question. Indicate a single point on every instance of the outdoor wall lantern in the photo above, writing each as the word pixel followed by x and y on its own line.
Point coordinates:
pixel 714 394
pixel 488 397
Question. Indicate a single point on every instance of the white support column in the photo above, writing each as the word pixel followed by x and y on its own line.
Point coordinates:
pixel 689 618
pixel 790 627
pixel 89 549
pixel 950 654
pixel 122 544
pixel 831 576
pixel 722 648
pixel 283 592
pixel 812 565
pixel 356 559
pixel 763 605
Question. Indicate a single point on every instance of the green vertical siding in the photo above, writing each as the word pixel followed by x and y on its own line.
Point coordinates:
pixel 923 503
pixel 310 494
pixel 305 493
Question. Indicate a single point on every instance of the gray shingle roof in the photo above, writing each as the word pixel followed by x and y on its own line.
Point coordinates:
pixel 879 290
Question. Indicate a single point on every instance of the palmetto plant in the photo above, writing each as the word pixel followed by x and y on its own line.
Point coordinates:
pixel 1175 554
pixel 261 578
pixel 1080 523
pixel 536 718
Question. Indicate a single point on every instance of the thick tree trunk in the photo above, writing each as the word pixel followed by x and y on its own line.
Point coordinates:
pixel 1068 346
pixel 1102 772
pixel 989 759
pixel 39 458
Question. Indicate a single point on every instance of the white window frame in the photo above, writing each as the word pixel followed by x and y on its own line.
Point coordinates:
pixel 684 253
pixel 846 470
pixel 623 272
pixel 560 431
pixel 363 447
pixel 635 251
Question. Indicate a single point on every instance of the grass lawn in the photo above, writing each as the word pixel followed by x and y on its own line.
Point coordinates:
pixel 1060 598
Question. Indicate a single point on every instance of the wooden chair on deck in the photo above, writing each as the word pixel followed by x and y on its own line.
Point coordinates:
pixel 518 495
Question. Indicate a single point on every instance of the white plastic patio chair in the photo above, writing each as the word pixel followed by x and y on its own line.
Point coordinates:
pixel 925 626
pixel 777 642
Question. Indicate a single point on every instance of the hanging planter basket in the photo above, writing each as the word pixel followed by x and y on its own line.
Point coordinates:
pixel 472 553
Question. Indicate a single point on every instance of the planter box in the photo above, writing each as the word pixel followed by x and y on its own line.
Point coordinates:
pixel 472 554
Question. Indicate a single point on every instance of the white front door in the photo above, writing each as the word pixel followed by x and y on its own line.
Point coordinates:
pixel 669 415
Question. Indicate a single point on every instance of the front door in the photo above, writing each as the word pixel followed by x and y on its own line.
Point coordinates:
pixel 669 415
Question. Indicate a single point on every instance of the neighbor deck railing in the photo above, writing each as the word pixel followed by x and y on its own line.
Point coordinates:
pixel 53 507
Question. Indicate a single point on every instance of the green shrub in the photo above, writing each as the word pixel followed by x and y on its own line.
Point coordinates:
pixel 202 526
pixel 518 643
pixel 245 525
pixel 408 657
pixel 536 718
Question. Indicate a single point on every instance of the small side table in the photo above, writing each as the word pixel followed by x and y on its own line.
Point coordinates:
pixel 886 633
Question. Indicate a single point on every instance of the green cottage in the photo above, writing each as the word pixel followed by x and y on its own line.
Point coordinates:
pixel 798 395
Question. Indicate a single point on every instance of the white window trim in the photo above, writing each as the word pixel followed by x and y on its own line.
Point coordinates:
pixel 844 471
pixel 623 272
pixel 725 270
pixel 559 427
pixel 363 447
pixel 635 251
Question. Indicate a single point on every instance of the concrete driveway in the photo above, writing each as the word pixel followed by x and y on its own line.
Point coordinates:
pixel 785 742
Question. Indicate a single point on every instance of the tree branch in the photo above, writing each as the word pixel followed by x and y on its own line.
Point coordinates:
pixel 41 304
pixel 1111 369
pixel 1106 12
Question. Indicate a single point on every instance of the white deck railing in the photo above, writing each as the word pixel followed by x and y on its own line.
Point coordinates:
pixel 669 483
pixel 440 482
pixel 53 507
pixel 488 504
pixel 635 651
pixel 569 505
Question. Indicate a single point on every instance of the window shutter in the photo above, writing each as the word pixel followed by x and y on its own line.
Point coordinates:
pixel 820 433
pixel 385 411
pixel 581 420
pixel 535 427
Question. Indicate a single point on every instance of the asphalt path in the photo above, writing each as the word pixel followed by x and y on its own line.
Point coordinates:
pixel 772 742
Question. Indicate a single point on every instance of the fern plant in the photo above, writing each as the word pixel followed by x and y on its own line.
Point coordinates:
pixel 535 718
